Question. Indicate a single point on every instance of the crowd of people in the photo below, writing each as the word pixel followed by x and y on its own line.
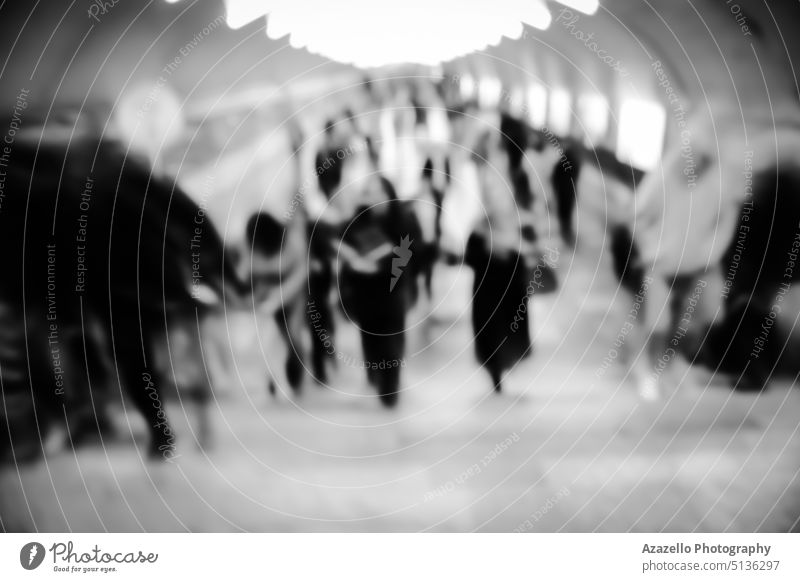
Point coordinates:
pixel 411 181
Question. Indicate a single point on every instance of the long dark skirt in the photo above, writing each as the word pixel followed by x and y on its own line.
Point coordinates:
pixel 380 315
pixel 499 308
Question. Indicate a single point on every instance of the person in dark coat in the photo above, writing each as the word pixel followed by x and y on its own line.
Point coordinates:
pixel 94 241
pixel 497 252
pixel 500 320
pixel 376 281
pixel 330 161
pixel 565 185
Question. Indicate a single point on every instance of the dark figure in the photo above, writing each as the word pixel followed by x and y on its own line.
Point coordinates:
pixel 278 280
pixel 502 254
pixel 321 237
pixel 565 186
pixel 92 238
pixel 758 337
pixel 499 307
pixel 514 139
pixel 321 241
pixel 628 268
pixel 376 282
pixel 428 209
pixel 731 345
pixel 327 160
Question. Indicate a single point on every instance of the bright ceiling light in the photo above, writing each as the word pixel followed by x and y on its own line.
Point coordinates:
pixel 239 13
pixel 373 34
pixel 585 6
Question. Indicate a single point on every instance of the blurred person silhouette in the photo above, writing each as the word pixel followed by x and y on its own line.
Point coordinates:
pixel 278 279
pixel 376 280
pixel 496 251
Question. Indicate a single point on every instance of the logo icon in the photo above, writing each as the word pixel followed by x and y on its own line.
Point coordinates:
pixel 31 555
pixel 402 255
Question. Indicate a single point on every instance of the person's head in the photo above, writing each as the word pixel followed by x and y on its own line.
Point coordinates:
pixel 264 234
pixel 514 138
pixel 427 171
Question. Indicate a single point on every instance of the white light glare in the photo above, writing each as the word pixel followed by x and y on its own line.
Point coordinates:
pixel 537 105
pixel 560 114
pixel 641 133
pixel 489 90
pixel 585 6
pixel 593 113
pixel 239 13
pixel 372 34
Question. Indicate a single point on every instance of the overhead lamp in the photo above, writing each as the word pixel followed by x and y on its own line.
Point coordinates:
pixel 585 6
pixel 239 13
pixel 372 34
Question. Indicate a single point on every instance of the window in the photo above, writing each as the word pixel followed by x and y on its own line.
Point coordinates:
pixel 641 133
pixel 593 115
pixel 559 118
pixel 537 105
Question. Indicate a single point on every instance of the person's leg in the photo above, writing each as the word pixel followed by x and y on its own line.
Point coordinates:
pixel 141 382
pixel 290 323
pixel 23 425
pixel 650 332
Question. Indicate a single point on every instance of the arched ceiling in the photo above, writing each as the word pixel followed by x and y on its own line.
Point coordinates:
pixel 61 55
